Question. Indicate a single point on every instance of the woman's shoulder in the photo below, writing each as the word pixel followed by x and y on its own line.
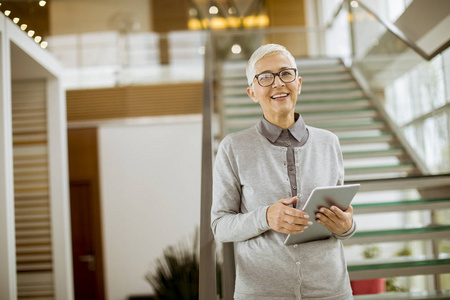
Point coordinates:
pixel 320 134
pixel 241 137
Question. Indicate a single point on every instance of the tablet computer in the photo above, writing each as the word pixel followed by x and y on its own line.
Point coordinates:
pixel 340 196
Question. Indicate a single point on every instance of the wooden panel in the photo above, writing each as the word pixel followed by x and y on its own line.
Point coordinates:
pixel 31 188
pixel 288 13
pixel 134 101
pixel 169 15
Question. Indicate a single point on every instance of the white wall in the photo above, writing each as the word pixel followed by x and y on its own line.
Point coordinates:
pixel 150 191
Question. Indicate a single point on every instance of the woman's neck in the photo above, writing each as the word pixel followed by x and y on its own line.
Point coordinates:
pixel 284 122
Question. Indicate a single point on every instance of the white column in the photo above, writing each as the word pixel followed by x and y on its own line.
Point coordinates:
pixel 8 277
pixel 59 190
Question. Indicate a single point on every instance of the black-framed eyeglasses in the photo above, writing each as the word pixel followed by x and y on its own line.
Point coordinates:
pixel 267 78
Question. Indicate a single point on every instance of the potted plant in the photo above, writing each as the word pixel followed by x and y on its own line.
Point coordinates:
pixel 369 286
pixel 176 275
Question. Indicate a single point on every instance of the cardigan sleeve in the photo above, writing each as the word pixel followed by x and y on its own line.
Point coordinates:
pixel 228 223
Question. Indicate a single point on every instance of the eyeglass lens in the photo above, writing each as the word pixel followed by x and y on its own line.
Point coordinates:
pixel 266 79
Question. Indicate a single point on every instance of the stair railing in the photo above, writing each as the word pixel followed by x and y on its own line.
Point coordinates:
pixel 207 267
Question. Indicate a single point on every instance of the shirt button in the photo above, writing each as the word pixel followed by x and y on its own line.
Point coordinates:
pixel 294 187
pixel 287 144
pixel 291 168
pixel 298 263
pixel 295 246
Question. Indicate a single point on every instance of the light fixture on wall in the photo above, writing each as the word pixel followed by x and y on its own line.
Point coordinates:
pixel 23 27
pixel 37 39
pixel 44 44
pixel 31 33
pixel 236 49
pixel 213 10
pixel 42 3
pixel 16 20
pixel 7 12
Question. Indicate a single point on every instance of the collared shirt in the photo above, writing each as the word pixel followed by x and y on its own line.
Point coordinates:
pixel 294 136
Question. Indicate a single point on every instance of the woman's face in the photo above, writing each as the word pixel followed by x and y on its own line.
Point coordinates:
pixel 277 100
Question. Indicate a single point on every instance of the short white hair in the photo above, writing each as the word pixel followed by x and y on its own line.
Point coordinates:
pixel 263 51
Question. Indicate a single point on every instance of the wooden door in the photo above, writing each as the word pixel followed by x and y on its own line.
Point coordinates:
pixel 85 215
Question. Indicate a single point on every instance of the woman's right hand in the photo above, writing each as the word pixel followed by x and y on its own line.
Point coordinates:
pixel 285 219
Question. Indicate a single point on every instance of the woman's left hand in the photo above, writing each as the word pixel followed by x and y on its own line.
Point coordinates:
pixel 336 220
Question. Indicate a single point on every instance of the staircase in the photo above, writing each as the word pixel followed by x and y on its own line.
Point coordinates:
pixel 397 205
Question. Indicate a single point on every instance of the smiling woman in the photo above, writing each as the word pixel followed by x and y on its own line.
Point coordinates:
pixel 261 175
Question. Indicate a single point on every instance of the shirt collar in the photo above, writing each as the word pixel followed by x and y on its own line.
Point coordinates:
pixel 272 132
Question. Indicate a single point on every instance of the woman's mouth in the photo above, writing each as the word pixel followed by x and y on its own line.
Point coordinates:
pixel 280 97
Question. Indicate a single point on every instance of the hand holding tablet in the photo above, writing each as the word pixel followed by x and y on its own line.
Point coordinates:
pixel 339 196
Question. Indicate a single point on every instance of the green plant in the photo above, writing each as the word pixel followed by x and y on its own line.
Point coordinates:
pixel 405 251
pixel 371 251
pixel 176 276
pixel 393 285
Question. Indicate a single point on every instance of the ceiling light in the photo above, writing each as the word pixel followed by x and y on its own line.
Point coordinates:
pixel 193 12
pixel 7 12
pixel 354 3
pixel 232 11
pixel 42 3
pixel 213 10
pixel 236 49
pixel 44 45
pixel 37 39
pixel 30 33
pixel 23 26
pixel 16 20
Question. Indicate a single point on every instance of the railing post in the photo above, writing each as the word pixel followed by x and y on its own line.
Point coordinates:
pixel 228 271
pixel 207 284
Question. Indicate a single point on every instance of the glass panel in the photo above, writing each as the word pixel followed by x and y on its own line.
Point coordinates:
pixel 338 37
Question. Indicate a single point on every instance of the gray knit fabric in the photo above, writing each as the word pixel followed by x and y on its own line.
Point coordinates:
pixel 249 176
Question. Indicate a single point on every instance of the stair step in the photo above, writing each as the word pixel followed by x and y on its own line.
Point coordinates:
pixel 304 107
pixel 403 205
pixel 234 87
pixel 321 92
pixel 352 95
pixel 248 120
pixel 382 138
pixel 424 295
pixel 413 266
pixel 410 182
pixel 239 72
pixel 395 235
pixel 373 153
pixel 308 80
pixel 407 167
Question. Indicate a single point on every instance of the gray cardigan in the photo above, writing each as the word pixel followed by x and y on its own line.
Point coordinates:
pixel 249 176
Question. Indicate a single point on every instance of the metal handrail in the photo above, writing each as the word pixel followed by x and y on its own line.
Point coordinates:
pixel 207 267
pixel 392 29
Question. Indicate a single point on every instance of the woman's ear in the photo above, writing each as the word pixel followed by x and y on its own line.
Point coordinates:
pixel 299 85
pixel 251 94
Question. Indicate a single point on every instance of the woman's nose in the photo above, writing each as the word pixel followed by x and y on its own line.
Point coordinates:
pixel 277 81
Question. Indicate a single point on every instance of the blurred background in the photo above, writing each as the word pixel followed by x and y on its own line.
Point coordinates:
pixel 138 95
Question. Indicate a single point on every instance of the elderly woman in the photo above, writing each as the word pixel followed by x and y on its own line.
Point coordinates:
pixel 262 174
